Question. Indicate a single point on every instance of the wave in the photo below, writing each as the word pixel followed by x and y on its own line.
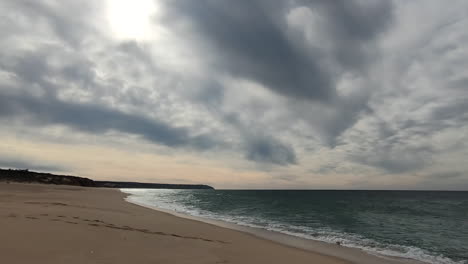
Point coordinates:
pixel 164 199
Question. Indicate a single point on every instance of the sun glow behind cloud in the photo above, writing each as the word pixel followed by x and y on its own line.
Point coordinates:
pixel 130 19
pixel 294 95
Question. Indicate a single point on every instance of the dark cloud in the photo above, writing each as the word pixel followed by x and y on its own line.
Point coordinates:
pixel 456 111
pixel 252 40
pixel 254 46
pixel 38 70
pixel 98 119
pixel 269 150
pixel 354 26
pixel 260 146
pixel 210 96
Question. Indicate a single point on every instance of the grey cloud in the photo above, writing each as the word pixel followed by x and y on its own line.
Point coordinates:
pixel 19 163
pixel 324 169
pixel 354 26
pixel 417 95
pixel 447 175
pixel 287 177
pixel 211 96
pixel 34 69
pixel 251 39
pixel 269 150
pixel 253 46
pixel 461 83
pixel 99 119
pixel 80 73
pixel 395 150
pixel 138 54
pixel 67 19
pixel 398 162
pixel 457 111
pixel 448 180
pixel 410 142
pixel 345 114
pixel 260 146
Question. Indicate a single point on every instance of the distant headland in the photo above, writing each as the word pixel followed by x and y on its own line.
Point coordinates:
pixel 26 176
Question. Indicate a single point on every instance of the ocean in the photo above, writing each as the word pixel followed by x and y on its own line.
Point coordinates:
pixel 429 226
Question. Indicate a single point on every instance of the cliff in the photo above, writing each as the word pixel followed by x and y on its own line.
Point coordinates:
pixel 26 176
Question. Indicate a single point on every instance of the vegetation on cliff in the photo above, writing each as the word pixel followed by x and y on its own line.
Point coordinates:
pixel 26 176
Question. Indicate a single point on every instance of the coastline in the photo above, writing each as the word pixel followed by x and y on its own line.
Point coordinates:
pixel 353 255
pixel 68 224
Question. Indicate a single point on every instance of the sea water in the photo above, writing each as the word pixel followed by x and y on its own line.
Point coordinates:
pixel 428 226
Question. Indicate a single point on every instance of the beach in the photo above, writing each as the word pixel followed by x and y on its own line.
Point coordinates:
pixel 67 224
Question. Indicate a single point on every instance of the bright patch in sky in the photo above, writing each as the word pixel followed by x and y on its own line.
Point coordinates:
pixel 130 19
pixel 238 93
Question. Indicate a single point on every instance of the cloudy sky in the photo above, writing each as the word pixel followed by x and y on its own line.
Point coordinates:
pixel 238 94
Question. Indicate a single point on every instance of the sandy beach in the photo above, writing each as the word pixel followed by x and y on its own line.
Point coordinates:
pixel 65 224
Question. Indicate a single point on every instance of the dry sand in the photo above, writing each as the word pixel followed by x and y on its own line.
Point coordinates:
pixel 65 224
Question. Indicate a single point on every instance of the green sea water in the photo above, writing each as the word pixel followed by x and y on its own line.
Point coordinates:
pixel 429 226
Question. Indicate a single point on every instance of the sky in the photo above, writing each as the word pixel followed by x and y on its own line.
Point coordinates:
pixel 290 94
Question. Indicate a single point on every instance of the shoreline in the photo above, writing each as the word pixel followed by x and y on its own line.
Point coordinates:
pixel 58 224
pixel 353 255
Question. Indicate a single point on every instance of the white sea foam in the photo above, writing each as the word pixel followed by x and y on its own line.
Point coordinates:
pixel 165 199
